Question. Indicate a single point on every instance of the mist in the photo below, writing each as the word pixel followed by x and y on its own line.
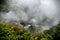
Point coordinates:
pixel 40 12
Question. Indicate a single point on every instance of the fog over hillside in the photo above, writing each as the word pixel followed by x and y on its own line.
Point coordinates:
pixel 40 12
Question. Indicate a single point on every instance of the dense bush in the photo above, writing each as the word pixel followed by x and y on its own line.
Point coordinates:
pixel 11 32
pixel 51 34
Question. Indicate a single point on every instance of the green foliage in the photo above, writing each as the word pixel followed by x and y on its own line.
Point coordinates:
pixel 11 32
pixel 52 34
pixel 55 32
pixel 3 7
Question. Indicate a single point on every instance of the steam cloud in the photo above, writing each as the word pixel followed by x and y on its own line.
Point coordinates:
pixel 40 12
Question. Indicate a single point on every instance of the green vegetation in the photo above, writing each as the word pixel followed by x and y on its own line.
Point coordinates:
pixel 3 7
pixel 11 32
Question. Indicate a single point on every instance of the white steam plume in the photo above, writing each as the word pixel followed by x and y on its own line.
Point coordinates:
pixel 44 12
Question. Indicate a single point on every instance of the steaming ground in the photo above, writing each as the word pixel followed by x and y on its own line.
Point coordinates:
pixel 40 12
